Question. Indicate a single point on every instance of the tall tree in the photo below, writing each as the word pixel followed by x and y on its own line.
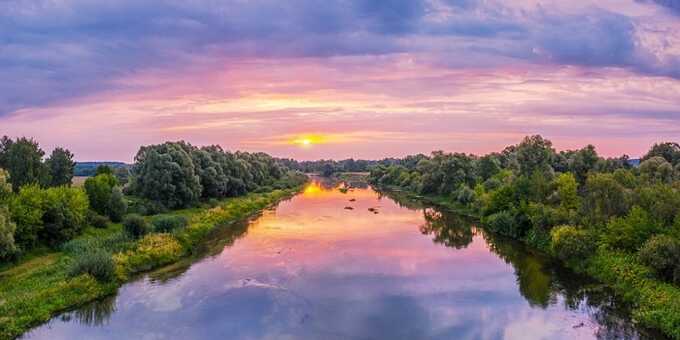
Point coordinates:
pixel 60 165
pixel 23 159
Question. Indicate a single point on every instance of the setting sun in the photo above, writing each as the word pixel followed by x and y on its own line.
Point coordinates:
pixel 308 140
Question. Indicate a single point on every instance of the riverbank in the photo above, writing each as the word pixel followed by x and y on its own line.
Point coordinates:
pixel 39 287
pixel 655 304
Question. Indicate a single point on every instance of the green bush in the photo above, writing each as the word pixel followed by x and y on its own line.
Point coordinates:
pixel 97 263
pixel 7 227
pixel 135 225
pixel 503 223
pixel 117 207
pixel 112 243
pixel 26 210
pixel 168 223
pixel 98 221
pixel 465 195
pixel 65 214
pixel 570 243
pixel 630 232
pixel 662 254
pixel 98 189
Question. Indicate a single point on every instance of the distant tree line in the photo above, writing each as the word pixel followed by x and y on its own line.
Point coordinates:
pixel 328 167
pixel 38 206
pixel 568 202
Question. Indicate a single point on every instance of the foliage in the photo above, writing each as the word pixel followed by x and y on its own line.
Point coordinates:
pixel 99 189
pixel 98 221
pixel 136 226
pixel 117 206
pixel 97 263
pixel 630 232
pixel 168 223
pixel 656 170
pixel 570 243
pixel 7 246
pixel 60 165
pixel 27 209
pixel 23 159
pixel 662 254
pixel 65 214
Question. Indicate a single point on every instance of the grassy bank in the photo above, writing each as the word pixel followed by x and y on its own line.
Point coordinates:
pixel 39 287
pixel 655 304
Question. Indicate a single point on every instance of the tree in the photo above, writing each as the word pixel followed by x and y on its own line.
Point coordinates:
pixel 582 162
pixel 7 228
pixel 117 207
pixel 98 189
pixel 534 154
pixel 65 214
pixel 488 166
pixel 60 165
pixel 166 174
pixel 669 151
pixel 26 210
pixel 604 198
pixel 23 159
pixel 327 170
pixel 5 187
pixel 656 170
pixel 103 170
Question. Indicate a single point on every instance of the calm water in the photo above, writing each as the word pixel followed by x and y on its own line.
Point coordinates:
pixel 312 269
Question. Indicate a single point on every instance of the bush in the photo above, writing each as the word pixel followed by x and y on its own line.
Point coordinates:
pixel 662 254
pixel 135 225
pixel 112 243
pixel 98 221
pixel 630 232
pixel 98 189
pixel 503 223
pixel 7 246
pixel 26 210
pixel 465 195
pixel 570 243
pixel 117 207
pixel 65 214
pixel 97 263
pixel 168 223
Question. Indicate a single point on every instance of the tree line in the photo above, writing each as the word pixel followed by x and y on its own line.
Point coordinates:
pixel 570 203
pixel 40 208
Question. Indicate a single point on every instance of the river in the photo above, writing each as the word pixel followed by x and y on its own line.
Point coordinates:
pixel 332 263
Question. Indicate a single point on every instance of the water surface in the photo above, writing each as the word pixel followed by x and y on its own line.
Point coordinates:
pixel 324 266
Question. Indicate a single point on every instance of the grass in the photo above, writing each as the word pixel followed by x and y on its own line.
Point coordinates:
pixel 37 288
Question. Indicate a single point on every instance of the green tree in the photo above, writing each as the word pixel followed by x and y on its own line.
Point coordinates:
pixel 534 154
pixel 26 210
pixel 582 162
pixel 60 165
pixel 656 170
pixel 23 159
pixel 65 214
pixel 572 244
pixel 669 151
pixel 99 189
pixel 488 166
pixel 630 232
pixel 567 191
pixel 117 207
pixel 7 228
pixel 165 173
pixel 5 187
pixel 604 198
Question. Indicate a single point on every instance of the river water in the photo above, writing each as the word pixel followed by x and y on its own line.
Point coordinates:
pixel 353 264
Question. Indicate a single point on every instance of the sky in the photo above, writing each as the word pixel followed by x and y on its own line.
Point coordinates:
pixel 314 79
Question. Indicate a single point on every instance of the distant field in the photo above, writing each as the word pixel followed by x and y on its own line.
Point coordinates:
pixel 78 181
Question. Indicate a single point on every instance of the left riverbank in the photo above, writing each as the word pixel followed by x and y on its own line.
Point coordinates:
pixel 39 287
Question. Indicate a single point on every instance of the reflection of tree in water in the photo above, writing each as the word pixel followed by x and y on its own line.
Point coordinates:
pixel 448 229
pixel 402 200
pixel 93 314
pixel 542 281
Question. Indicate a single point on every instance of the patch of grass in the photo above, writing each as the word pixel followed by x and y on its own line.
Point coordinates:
pixel 38 287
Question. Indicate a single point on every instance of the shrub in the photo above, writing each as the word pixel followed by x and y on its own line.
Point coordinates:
pixel 168 223
pixel 135 225
pixel 117 207
pixel 65 214
pixel 571 243
pixel 503 223
pixel 630 232
pixel 26 210
pixel 98 189
pixel 97 263
pixel 112 243
pixel 98 221
pixel 662 254
pixel 7 246
pixel 465 195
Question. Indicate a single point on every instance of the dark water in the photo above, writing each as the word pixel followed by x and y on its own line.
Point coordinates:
pixel 312 269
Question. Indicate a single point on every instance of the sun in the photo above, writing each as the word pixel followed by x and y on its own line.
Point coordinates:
pixel 307 141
